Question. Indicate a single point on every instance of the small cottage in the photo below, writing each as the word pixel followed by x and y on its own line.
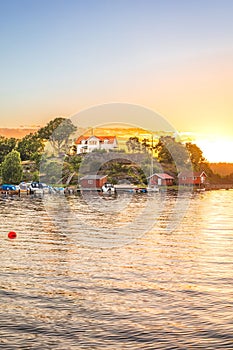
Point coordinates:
pixel 93 181
pixel 160 179
pixel 192 178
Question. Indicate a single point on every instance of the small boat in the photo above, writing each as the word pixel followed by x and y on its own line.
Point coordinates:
pixel 152 189
pixel 59 190
pixel 9 189
pixel 48 189
pixel 108 188
pixel 140 190
pixel 200 190
pixel 24 188
pixel 36 188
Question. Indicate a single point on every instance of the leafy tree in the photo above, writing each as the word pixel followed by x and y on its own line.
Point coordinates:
pixel 170 151
pixel 30 147
pixel 46 132
pixel 70 169
pixel 145 145
pixel 75 162
pixel 6 146
pixel 35 176
pixel 196 155
pixel 51 169
pixel 120 169
pixel 164 156
pixel 11 168
pixel 58 132
pixel 133 144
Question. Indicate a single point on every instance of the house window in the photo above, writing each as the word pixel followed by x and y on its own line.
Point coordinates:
pixel 183 177
pixel 194 178
pixel 92 142
pixel 90 182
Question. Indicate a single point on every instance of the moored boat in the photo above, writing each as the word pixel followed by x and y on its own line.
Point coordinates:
pixel 36 188
pixel 8 189
pixel 152 189
pixel 24 188
pixel 108 188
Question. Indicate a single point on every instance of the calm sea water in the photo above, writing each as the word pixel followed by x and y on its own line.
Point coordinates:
pixel 66 284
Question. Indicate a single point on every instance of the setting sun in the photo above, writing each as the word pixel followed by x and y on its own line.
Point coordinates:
pixel 217 150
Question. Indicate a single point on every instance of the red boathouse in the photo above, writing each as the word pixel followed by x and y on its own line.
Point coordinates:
pixel 192 178
pixel 93 181
pixel 161 179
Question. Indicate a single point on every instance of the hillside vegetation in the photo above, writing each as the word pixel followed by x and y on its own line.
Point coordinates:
pixel 63 165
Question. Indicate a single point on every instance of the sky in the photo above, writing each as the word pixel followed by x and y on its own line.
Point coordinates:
pixel 175 57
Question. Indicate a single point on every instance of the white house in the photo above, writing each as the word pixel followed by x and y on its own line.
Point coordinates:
pixel 86 144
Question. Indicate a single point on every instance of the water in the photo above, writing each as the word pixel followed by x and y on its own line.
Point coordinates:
pixel 160 290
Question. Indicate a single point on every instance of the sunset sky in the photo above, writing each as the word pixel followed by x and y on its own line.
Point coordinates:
pixel 173 56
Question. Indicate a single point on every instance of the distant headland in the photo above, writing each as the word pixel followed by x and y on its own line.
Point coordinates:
pixel 18 133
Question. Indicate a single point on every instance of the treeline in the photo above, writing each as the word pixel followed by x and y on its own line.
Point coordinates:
pixel 173 156
pixel 31 148
pixel 143 158
pixel 163 155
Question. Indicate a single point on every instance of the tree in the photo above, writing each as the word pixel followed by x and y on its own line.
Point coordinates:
pixel 196 155
pixel 6 146
pixel 133 144
pixel 11 168
pixel 46 132
pixel 164 156
pixel 51 170
pixel 30 147
pixel 171 152
pixel 123 169
pixel 145 145
pixel 70 169
pixel 58 132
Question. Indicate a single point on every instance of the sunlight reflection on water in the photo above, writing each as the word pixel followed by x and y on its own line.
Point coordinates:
pixel 161 291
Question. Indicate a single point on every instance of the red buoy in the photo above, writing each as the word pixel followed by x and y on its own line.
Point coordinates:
pixel 12 235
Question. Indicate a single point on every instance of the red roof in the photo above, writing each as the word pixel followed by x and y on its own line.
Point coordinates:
pixel 163 176
pixel 110 139
pixel 93 177
pixel 192 174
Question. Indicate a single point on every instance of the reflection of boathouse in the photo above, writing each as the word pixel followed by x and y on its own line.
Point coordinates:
pixel 160 179
pixel 92 181
pixel 192 178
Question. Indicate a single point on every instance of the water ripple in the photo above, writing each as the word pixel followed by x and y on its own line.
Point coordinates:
pixel 162 291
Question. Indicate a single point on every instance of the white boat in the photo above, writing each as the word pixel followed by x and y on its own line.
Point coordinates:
pixel 108 188
pixel 24 187
pixel 152 189
pixel 36 188
pixel 200 190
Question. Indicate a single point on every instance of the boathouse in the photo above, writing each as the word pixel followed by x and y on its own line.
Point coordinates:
pixel 192 178
pixel 93 181
pixel 160 179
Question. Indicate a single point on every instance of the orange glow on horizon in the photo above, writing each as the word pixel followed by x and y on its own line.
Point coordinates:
pixel 217 150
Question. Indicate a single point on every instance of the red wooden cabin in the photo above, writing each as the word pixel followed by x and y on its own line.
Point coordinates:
pixel 93 181
pixel 161 179
pixel 192 178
